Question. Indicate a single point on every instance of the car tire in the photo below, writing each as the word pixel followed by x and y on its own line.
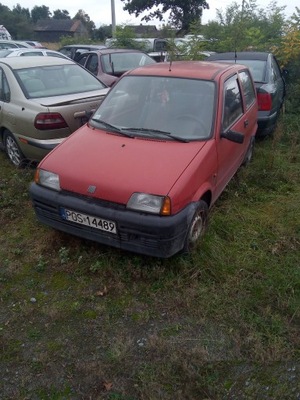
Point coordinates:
pixel 249 154
pixel 12 150
pixel 196 228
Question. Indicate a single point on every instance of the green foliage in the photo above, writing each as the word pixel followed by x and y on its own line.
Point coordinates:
pixel 85 19
pixel 61 14
pixel 125 38
pixel 182 13
pixel 246 27
pixel 40 12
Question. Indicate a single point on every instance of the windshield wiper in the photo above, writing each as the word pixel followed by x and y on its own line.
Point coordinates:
pixel 112 127
pixel 154 131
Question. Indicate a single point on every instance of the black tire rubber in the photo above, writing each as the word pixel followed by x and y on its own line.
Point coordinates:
pixel 196 228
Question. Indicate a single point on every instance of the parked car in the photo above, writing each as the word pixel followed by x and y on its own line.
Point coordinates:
pixel 153 159
pixel 35 44
pixel 17 52
pixel 10 44
pixel 42 101
pixel 73 51
pixel 109 64
pixel 269 82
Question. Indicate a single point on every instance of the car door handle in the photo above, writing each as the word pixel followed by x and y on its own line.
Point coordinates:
pixel 246 123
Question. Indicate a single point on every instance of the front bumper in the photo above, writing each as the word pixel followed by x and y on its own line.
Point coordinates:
pixel 142 233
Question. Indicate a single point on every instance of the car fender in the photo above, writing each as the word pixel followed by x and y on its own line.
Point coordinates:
pixel 205 192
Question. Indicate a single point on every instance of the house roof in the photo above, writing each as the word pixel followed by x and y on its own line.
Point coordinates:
pixel 143 29
pixel 54 25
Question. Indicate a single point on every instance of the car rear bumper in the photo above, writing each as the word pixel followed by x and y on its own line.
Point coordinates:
pixel 266 122
pixel 146 234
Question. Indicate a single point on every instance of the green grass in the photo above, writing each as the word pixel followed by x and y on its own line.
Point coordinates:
pixel 79 320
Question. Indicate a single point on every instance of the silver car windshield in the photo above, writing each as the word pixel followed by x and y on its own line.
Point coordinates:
pixel 57 80
pixel 153 105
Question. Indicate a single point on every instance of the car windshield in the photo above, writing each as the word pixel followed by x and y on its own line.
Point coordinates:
pixel 144 105
pixel 118 63
pixel 257 68
pixel 56 80
pixel 5 53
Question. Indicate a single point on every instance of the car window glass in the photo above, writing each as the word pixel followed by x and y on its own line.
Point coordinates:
pixel 232 102
pixel 182 107
pixel 4 88
pixel 31 53
pixel 56 80
pixel 7 45
pixel 66 51
pixel 257 68
pixel 275 70
pixel 118 63
pixel 92 64
pixel 83 59
pixel 248 88
pixel 52 54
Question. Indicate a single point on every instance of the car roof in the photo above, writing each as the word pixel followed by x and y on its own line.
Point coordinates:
pixel 84 46
pixel 186 69
pixel 114 50
pixel 242 55
pixel 27 62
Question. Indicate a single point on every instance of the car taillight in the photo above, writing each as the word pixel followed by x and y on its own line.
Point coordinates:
pixel 264 101
pixel 45 121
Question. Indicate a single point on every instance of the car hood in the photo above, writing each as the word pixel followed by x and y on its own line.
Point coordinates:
pixel 117 166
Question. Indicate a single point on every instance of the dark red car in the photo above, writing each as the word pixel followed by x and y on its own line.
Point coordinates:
pixel 109 64
pixel 155 156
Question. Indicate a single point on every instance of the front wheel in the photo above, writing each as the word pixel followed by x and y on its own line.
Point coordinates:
pixel 12 150
pixel 196 228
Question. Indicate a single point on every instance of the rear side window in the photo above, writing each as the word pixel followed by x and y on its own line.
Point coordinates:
pixel 248 88
pixel 232 102
pixel 92 64
pixel 276 74
pixel 4 88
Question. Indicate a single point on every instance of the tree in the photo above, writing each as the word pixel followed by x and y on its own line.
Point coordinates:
pixel 102 33
pixel 85 19
pixel 61 14
pixel 243 27
pixel 18 10
pixel 183 13
pixel 40 12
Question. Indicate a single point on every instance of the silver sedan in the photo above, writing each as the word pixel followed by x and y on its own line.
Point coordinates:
pixel 42 101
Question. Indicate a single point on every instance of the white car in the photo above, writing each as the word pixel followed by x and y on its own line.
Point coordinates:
pixel 12 44
pixel 31 52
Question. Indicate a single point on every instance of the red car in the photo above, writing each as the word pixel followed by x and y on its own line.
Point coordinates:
pixel 142 174
pixel 109 64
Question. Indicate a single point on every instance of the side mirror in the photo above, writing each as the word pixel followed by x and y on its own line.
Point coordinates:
pixel 235 137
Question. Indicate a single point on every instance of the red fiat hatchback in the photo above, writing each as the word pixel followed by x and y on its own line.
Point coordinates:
pixel 142 174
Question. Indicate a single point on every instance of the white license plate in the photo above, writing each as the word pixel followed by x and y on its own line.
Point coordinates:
pixel 88 220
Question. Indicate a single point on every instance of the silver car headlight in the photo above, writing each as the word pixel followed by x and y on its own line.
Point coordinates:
pixel 47 179
pixel 150 203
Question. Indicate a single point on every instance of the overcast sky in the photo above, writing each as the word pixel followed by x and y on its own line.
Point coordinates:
pixel 99 11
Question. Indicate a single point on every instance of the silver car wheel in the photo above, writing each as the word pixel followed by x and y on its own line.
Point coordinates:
pixel 12 150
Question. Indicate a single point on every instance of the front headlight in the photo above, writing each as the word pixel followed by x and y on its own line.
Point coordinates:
pixel 150 203
pixel 47 178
